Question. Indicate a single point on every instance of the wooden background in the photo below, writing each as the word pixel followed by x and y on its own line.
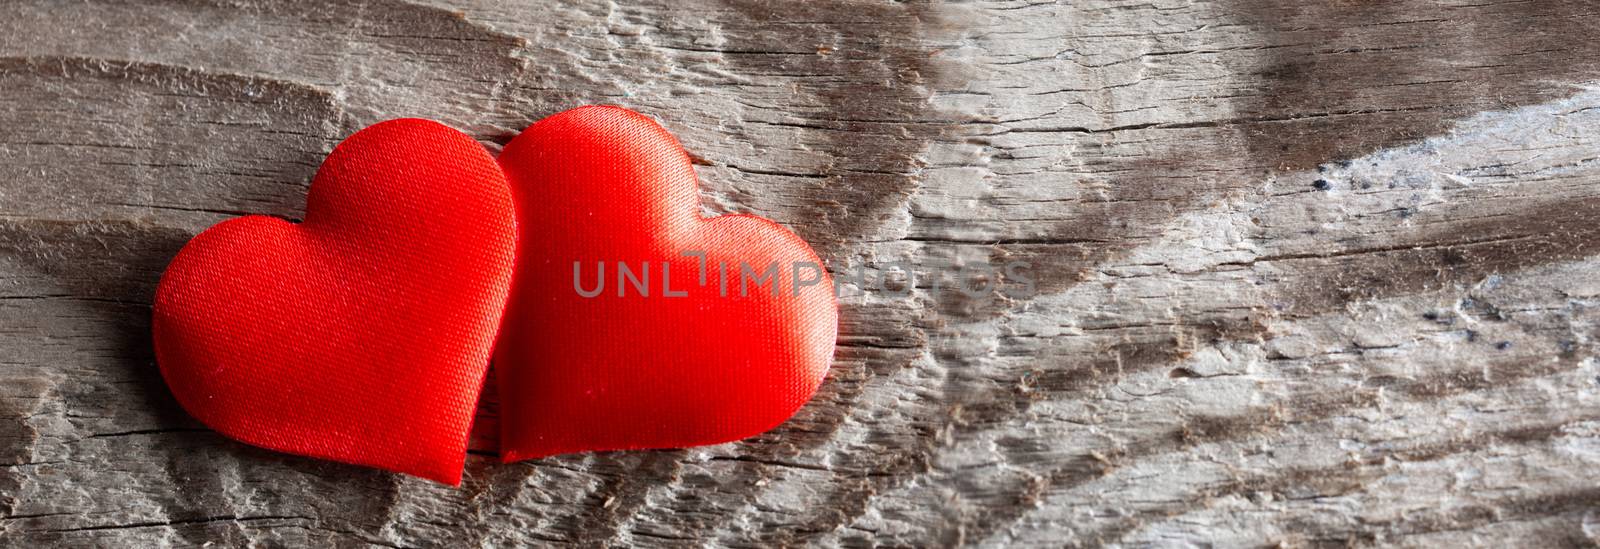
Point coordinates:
pixel 1311 273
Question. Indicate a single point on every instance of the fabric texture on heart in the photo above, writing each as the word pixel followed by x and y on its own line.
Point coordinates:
pixel 678 347
pixel 363 334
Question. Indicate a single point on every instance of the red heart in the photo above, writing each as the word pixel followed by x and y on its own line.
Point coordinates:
pixel 363 334
pixel 604 184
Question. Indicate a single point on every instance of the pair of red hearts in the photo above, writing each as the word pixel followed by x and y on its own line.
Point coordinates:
pixel 363 335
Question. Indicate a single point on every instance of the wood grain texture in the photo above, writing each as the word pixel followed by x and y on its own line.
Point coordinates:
pixel 1310 273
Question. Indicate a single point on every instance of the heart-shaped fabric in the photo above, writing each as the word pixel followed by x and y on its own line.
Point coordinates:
pixel 363 334
pixel 684 344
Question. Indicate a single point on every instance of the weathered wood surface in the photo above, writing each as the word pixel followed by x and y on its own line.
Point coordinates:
pixel 1311 272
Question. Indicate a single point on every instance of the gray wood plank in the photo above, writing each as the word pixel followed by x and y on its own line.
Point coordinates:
pixel 1309 273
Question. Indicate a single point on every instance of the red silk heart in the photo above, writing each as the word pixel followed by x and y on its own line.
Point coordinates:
pixel 606 185
pixel 363 334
